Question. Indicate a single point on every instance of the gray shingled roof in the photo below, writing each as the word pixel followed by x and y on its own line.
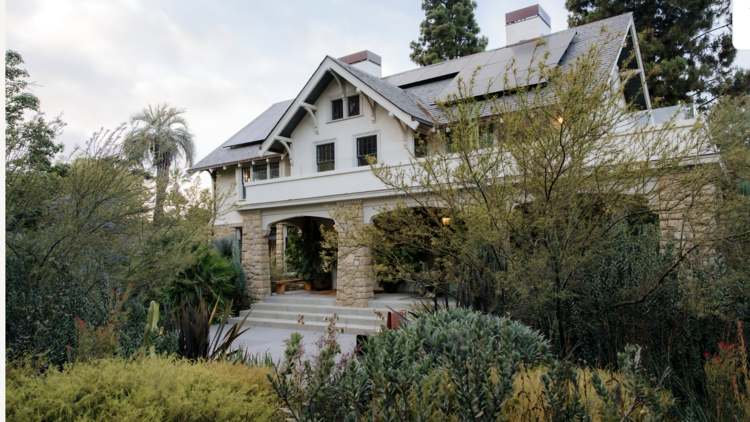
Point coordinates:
pixel 260 127
pixel 418 100
pixel 230 156
pixel 397 96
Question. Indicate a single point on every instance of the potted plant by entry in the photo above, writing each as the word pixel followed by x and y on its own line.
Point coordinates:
pixel 305 254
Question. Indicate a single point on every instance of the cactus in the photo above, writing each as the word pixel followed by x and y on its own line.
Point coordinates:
pixel 153 331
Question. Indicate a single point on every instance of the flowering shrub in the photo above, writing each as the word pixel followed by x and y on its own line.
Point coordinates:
pixel 728 380
pixel 103 341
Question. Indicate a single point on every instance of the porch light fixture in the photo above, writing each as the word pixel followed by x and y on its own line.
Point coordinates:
pixel 445 220
pixel 560 120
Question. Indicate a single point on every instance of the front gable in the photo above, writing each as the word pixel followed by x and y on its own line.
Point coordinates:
pixel 372 90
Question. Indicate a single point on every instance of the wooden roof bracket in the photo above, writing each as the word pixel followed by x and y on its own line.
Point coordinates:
pixel 403 127
pixel 369 101
pixel 311 109
pixel 286 141
pixel 341 85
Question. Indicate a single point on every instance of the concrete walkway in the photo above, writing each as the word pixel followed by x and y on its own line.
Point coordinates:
pixel 271 340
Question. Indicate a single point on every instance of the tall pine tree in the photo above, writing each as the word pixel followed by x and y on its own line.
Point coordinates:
pixel 448 31
pixel 686 39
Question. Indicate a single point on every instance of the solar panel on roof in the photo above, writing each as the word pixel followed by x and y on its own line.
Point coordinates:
pixel 502 63
pixel 260 127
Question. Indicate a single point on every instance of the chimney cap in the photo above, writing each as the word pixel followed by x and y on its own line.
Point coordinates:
pixel 362 56
pixel 528 12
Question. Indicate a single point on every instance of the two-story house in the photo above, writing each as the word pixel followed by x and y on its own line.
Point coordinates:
pixel 301 156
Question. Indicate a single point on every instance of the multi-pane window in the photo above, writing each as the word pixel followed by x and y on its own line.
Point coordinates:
pixel 326 158
pixel 260 172
pixel 273 170
pixel 366 147
pixel 354 106
pixel 337 109
pixel 245 178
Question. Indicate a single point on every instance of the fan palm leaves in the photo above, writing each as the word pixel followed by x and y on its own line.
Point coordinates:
pixel 160 138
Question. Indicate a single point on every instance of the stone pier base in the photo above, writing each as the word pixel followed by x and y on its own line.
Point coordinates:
pixel 355 282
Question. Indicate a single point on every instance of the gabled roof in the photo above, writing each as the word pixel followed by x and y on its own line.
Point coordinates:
pixel 395 95
pixel 260 127
pixel 414 92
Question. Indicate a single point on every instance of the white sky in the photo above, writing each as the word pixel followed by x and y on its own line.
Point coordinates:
pixel 99 61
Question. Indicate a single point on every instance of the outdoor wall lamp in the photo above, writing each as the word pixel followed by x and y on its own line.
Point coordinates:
pixel 445 220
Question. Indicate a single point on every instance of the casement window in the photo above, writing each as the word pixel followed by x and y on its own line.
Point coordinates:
pixel 326 157
pixel 273 170
pixel 337 109
pixel 260 172
pixel 353 105
pixel 366 147
pixel 245 178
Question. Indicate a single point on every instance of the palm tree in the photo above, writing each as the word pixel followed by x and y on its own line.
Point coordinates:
pixel 160 137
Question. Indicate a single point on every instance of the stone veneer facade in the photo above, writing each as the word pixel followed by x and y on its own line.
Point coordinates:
pixel 355 282
pixel 255 254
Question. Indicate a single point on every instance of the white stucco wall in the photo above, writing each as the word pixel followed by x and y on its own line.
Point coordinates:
pixel 343 134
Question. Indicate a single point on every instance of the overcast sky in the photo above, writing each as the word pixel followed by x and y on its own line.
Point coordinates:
pixel 99 61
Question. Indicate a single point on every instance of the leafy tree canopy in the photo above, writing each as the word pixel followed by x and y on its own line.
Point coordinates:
pixel 686 55
pixel 448 31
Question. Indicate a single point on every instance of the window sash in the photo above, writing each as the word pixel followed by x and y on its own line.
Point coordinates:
pixel 260 172
pixel 273 170
pixel 353 106
pixel 245 174
pixel 326 157
pixel 337 109
pixel 366 147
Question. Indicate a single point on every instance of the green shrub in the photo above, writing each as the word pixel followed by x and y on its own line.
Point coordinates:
pixel 210 277
pixel 159 389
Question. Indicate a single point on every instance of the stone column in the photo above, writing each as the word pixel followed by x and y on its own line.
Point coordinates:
pixel 255 254
pixel 280 228
pixel 355 283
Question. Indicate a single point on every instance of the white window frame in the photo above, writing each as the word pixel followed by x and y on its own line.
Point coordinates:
pixel 336 154
pixel 355 160
pixel 268 170
pixel 330 101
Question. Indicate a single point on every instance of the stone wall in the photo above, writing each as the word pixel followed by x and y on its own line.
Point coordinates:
pixel 355 283
pixel 255 254
pixel 223 230
pixel 685 212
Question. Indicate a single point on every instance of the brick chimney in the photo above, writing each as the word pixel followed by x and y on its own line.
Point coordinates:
pixel 365 60
pixel 526 24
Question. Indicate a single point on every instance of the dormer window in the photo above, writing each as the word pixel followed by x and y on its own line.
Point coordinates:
pixel 354 106
pixel 337 109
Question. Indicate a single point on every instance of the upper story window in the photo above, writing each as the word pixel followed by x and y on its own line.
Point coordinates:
pixel 326 157
pixel 366 147
pixel 353 106
pixel 260 172
pixel 273 170
pixel 337 109
pixel 245 178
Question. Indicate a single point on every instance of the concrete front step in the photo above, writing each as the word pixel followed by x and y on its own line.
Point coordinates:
pixel 312 309
pixel 307 326
pixel 345 319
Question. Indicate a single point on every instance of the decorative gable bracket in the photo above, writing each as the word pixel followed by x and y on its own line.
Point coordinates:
pixel 311 109
pixel 403 127
pixel 286 142
pixel 369 101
